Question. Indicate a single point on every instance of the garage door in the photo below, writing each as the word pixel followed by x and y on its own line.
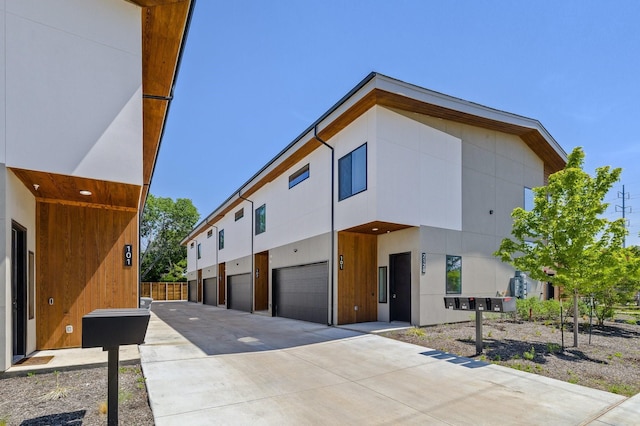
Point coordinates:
pixel 239 289
pixel 193 291
pixel 210 291
pixel 301 292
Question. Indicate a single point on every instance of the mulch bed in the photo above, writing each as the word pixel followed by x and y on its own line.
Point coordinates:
pixel 610 362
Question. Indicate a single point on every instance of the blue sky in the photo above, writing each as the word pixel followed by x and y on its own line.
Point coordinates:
pixel 256 73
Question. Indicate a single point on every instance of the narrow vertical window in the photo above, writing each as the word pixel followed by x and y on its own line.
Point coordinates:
pixel 454 274
pixel 199 251
pixel 352 173
pixel 221 239
pixel 261 219
pixel 382 284
pixel 528 199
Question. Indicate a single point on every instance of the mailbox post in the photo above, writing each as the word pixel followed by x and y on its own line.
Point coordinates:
pixel 480 304
pixel 110 328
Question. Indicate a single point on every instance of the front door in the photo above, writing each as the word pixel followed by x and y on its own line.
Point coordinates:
pixel 19 290
pixel 400 287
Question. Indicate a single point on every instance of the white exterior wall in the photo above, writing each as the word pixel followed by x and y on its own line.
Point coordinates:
pixel 360 208
pixel 419 173
pixel 298 213
pixel 57 119
pixel 20 207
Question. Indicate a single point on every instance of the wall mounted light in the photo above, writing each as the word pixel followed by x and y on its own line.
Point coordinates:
pixel 85 192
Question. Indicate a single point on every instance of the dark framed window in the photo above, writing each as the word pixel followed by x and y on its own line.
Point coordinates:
pixel 209 233
pixel 239 214
pixel 261 219
pixel 299 176
pixel 221 239
pixel 382 284
pixel 199 251
pixel 454 274
pixel 352 173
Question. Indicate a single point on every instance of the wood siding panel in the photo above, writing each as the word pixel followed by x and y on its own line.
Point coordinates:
pixel 262 281
pixel 81 266
pixel 222 284
pixel 357 280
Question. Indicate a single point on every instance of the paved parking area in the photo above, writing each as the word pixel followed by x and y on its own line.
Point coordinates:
pixel 206 365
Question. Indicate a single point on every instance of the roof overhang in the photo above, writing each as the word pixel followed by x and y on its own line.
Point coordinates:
pixel 378 89
pixel 165 24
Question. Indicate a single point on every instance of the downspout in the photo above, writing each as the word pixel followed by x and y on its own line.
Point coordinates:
pixel 315 135
pixel 252 266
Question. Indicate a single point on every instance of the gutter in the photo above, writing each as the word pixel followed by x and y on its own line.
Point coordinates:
pixel 197 229
pixel 253 297
pixel 169 98
pixel 333 227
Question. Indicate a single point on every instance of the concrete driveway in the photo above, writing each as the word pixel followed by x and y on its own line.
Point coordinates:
pixel 206 365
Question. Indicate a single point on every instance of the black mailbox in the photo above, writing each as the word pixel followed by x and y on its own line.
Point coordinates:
pixel 483 303
pixel 467 303
pixel 110 328
pixel 451 303
pixel 503 304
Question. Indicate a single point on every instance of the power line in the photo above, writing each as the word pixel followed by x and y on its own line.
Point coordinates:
pixel 623 209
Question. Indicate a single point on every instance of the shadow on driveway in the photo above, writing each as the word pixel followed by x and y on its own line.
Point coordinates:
pixel 218 331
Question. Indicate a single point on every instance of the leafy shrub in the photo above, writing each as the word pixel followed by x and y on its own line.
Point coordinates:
pixel 538 310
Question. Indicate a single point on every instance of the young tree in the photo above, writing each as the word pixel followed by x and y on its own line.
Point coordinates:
pixel 565 231
pixel 164 224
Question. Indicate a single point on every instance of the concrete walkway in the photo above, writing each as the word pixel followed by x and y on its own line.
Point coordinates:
pixel 205 365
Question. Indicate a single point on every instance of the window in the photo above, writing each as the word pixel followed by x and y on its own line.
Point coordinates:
pixel 221 239
pixel 299 176
pixel 199 252
pixel 382 284
pixel 261 219
pixel 528 199
pixel 352 173
pixel 454 274
pixel 239 214
pixel 209 233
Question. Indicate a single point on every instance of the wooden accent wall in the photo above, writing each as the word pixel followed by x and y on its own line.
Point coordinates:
pixel 262 281
pixel 80 265
pixel 357 281
pixel 222 284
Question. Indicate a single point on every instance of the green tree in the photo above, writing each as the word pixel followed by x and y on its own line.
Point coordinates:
pixel 616 284
pixel 164 224
pixel 565 232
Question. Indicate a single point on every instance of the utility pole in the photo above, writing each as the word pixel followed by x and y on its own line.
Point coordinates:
pixel 623 208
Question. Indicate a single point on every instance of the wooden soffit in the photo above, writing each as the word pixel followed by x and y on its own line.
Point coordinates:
pixel 164 24
pixel 532 137
pixel 52 187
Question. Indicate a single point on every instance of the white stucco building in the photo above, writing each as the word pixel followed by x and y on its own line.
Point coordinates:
pixel 85 87
pixel 394 198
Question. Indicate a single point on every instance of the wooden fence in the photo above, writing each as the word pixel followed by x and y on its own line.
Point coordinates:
pixel 165 291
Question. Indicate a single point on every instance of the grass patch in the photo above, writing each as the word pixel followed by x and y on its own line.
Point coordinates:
pixel 416 332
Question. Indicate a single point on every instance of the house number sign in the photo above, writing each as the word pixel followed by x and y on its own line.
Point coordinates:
pixel 128 255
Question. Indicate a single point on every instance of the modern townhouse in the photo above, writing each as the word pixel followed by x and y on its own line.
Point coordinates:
pixel 394 198
pixel 85 88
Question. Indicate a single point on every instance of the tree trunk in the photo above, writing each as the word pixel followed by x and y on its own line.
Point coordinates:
pixel 575 318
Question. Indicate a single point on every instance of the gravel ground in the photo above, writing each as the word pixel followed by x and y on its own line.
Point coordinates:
pixel 611 362
pixel 73 397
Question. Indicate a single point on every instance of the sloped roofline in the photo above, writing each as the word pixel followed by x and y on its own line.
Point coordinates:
pixel 379 89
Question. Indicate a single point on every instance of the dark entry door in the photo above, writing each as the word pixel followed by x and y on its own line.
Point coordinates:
pixel 400 287
pixel 19 290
